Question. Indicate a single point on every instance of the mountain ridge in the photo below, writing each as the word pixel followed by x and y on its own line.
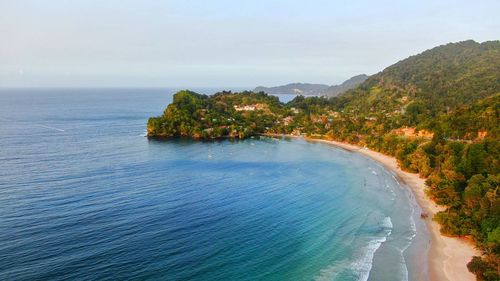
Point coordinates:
pixel 308 89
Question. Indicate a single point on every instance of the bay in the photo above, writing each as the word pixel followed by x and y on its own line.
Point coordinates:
pixel 84 195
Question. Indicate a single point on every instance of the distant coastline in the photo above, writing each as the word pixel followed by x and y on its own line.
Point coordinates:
pixel 308 89
pixel 448 256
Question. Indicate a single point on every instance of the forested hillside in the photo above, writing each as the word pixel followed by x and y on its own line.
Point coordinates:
pixel 218 116
pixel 438 113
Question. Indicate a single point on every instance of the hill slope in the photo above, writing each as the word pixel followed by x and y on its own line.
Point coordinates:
pixel 429 88
pixel 351 83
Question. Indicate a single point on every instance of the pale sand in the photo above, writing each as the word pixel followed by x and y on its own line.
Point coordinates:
pixel 448 256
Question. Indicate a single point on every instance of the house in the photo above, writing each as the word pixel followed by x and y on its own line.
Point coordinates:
pixel 251 107
pixel 244 108
pixel 288 120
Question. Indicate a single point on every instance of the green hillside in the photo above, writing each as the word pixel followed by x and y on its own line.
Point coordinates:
pixel 451 95
pixel 436 83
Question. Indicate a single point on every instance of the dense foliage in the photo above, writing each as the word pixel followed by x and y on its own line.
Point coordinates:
pixel 203 117
pixel 436 112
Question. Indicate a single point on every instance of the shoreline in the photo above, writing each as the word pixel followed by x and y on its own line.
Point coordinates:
pixel 447 256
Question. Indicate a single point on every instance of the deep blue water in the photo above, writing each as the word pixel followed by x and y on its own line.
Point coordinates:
pixel 85 196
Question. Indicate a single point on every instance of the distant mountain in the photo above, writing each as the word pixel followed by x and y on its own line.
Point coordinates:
pixel 351 83
pixel 307 89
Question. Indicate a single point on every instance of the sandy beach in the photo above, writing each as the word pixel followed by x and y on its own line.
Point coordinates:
pixel 448 256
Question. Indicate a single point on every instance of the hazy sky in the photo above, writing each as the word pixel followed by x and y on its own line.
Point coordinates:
pixel 229 43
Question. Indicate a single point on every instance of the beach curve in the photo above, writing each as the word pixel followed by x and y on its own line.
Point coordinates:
pixel 448 256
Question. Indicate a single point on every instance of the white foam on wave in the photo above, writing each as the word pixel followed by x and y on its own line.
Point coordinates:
pixel 387 223
pixel 413 225
pixel 390 190
pixel 395 179
pixel 363 264
pixel 413 229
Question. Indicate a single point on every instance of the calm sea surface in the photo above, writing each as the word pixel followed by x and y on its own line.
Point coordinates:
pixel 85 196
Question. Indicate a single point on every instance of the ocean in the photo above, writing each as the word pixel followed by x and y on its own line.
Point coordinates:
pixel 84 195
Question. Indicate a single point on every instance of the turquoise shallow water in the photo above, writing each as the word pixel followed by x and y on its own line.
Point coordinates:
pixel 84 195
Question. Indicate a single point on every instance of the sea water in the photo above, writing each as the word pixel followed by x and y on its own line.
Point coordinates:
pixel 85 196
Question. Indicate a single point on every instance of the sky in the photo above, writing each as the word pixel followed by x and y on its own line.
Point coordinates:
pixel 223 43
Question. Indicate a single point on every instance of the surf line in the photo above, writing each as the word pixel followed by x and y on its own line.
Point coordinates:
pixel 33 123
